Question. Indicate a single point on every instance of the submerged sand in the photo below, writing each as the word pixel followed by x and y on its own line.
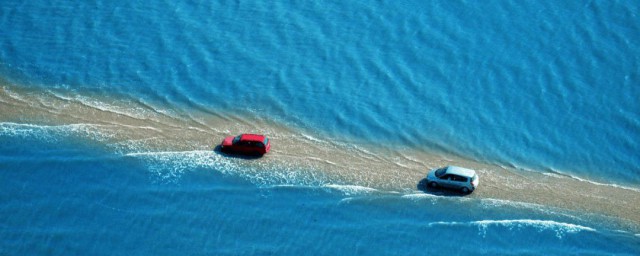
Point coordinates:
pixel 134 127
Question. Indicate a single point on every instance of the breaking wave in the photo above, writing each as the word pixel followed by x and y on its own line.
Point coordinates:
pixel 559 228
pixel 169 166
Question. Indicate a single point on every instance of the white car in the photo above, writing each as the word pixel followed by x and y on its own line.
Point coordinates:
pixel 458 178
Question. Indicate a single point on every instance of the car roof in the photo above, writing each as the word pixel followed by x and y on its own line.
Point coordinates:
pixel 252 137
pixel 460 171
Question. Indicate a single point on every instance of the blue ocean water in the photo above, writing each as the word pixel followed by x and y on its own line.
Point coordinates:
pixel 539 86
pixel 70 198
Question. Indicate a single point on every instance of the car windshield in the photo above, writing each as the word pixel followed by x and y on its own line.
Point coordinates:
pixel 236 139
pixel 266 141
pixel 440 172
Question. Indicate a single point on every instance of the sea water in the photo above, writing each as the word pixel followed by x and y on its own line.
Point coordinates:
pixel 110 112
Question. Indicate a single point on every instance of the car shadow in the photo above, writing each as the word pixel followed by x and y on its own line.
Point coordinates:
pixel 218 150
pixel 424 187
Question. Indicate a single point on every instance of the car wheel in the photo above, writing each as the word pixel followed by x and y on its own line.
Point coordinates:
pixel 433 184
pixel 465 190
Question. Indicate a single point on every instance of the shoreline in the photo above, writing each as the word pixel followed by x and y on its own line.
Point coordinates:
pixel 127 126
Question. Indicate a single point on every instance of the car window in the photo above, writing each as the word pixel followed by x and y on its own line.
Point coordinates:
pixel 266 141
pixel 461 179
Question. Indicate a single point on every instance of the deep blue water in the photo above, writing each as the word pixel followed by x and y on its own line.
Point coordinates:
pixel 542 86
pixel 532 85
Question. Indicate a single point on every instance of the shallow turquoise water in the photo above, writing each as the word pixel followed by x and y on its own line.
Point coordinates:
pixel 541 86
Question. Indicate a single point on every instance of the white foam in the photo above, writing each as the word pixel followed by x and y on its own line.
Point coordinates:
pixel 411 158
pixel 435 199
pixel 170 165
pixel 492 202
pixel 166 153
pixel 366 153
pixel 143 127
pixel 564 175
pixel 421 196
pixel 347 190
pixel 554 175
pixel 289 186
pixel 346 200
pixel 52 132
pixel 60 96
pixel 397 163
pixel 560 228
pixel 197 129
pixel 350 190
pixel 13 94
pixel 321 160
pixel 130 111
pixel 311 138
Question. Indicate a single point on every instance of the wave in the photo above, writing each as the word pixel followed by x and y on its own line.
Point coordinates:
pixel 263 172
pixel 345 190
pixel 558 174
pixel 492 202
pixel 125 107
pixel 432 198
pixel 350 190
pixel 171 164
pixel 422 196
pixel 115 136
pixel 321 160
pixel 560 228
pixel 52 132
pixel 311 138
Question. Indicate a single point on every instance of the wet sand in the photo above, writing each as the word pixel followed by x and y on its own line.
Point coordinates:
pixel 133 127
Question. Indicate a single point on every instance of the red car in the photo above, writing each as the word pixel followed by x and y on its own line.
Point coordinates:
pixel 250 144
